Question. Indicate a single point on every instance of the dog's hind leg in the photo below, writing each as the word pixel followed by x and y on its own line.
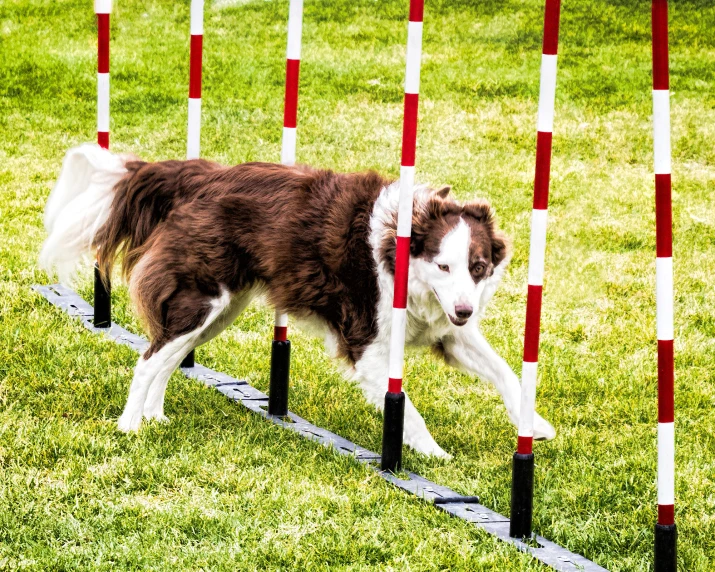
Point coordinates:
pixel 469 351
pixel 166 352
pixel 154 404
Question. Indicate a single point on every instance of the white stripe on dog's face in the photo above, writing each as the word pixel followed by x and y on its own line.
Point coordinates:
pixel 448 275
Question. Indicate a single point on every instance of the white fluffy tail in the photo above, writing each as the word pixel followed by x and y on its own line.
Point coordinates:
pixel 78 206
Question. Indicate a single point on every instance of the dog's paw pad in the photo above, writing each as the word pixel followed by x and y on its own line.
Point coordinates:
pixel 543 430
pixel 129 423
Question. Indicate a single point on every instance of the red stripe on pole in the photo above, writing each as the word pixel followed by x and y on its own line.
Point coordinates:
pixel 197 41
pixel 666 514
pixel 663 217
pixel 402 265
pixel 103 43
pixel 660 44
pixel 409 129
pixel 666 381
pixel 290 109
pixel 524 445
pixel 417 9
pixel 552 12
pixel 394 385
pixel 103 139
pixel 280 333
pixel 533 324
pixel 543 170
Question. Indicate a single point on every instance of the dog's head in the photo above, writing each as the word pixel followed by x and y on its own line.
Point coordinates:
pixel 454 249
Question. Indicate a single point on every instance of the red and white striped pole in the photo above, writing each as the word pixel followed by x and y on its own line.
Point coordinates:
pixel 280 349
pixel 665 530
pixel 103 8
pixel 522 485
pixel 193 131
pixel 193 134
pixel 393 423
pixel 102 289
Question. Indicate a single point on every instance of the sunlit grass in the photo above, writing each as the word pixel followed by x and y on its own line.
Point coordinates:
pixel 219 488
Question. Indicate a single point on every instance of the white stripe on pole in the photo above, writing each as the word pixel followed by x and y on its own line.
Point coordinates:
pixel 102 6
pixel 661 130
pixel 664 297
pixel 295 28
pixel 414 55
pixel 537 248
pixel 666 462
pixel 397 343
pixel 547 93
pixel 528 399
pixel 193 139
pixel 281 320
pixel 197 17
pixel 103 102
pixel 288 147
pixel 404 211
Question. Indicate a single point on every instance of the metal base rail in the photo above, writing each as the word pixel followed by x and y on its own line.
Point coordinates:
pixel 464 507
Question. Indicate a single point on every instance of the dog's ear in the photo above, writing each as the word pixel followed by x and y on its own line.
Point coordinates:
pixel 424 217
pixel 499 248
pixel 443 192
pixel 479 211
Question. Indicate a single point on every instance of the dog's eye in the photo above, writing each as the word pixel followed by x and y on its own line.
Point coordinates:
pixel 443 267
pixel 478 269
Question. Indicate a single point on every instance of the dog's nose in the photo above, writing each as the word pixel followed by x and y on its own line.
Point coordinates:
pixel 463 311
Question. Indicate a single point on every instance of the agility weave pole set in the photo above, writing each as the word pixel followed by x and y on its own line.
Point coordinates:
pixel 275 406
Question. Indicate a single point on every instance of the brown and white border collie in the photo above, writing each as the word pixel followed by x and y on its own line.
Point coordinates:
pixel 199 240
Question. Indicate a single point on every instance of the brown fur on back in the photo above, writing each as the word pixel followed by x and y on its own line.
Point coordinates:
pixel 190 227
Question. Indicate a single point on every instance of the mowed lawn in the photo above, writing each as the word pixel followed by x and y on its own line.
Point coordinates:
pixel 221 489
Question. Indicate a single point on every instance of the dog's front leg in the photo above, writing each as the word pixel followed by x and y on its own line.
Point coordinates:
pixel 371 373
pixel 470 352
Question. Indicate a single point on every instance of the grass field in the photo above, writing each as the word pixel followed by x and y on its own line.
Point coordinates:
pixel 219 488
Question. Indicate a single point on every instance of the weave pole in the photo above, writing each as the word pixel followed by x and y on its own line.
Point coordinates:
pixel 102 288
pixel 193 131
pixel 280 348
pixel 522 483
pixel 393 423
pixel 666 534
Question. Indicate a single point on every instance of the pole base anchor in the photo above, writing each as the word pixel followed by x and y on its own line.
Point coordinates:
pixel 279 381
pixel 189 360
pixel 102 300
pixel 522 495
pixel 666 548
pixel 392 430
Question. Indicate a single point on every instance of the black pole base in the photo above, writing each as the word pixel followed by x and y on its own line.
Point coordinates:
pixel 102 301
pixel 522 495
pixel 188 361
pixel 666 548
pixel 280 374
pixel 392 429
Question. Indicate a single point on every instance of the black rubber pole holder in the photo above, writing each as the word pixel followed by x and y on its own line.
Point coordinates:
pixel 102 300
pixel 666 548
pixel 392 429
pixel 188 361
pixel 522 495
pixel 280 375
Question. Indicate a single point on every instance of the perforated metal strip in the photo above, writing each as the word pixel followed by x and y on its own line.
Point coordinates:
pixel 241 392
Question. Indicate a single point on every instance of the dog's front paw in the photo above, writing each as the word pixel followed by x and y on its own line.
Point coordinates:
pixel 440 454
pixel 543 430
pixel 160 417
pixel 155 413
pixel 428 446
pixel 129 421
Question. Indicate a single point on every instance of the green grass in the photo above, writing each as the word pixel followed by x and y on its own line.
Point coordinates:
pixel 221 489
